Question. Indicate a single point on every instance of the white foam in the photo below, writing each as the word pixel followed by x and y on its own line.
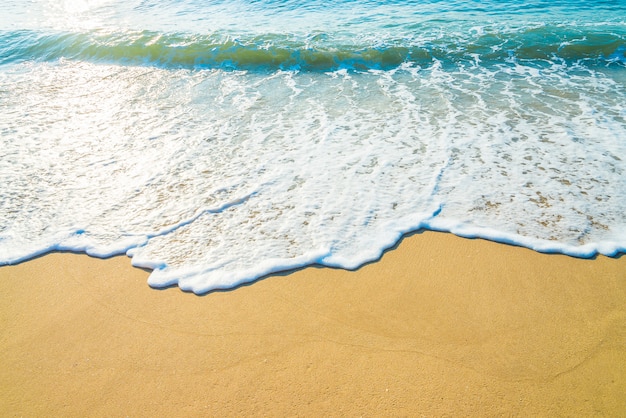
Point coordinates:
pixel 214 178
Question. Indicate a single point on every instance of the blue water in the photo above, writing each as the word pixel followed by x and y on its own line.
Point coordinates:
pixel 217 142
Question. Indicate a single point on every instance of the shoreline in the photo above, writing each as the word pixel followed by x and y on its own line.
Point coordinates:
pixel 440 325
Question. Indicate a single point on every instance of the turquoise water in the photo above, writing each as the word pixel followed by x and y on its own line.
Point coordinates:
pixel 216 143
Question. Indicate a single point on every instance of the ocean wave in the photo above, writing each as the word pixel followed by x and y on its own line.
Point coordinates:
pixel 128 127
pixel 215 178
pixel 315 52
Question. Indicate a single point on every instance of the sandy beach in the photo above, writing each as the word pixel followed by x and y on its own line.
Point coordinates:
pixel 440 326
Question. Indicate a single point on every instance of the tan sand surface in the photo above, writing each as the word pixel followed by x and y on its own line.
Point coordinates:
pixel 441 326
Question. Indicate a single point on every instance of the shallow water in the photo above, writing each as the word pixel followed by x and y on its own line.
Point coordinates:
pixel 218 143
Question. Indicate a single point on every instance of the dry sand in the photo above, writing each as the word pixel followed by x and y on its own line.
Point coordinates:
pixel 440 326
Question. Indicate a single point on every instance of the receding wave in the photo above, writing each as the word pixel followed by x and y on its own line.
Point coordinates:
pixel 284 52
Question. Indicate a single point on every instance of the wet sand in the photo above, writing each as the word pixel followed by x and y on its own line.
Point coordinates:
pixel 440 326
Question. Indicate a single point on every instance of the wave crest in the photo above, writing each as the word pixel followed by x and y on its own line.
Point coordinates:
pixel 313 53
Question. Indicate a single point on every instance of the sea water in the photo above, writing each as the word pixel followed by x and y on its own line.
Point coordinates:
pixel 217 142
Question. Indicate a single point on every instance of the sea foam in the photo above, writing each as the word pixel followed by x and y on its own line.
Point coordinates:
pixel 213 175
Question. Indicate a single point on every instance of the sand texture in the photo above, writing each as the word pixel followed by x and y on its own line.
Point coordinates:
pixel 441 326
